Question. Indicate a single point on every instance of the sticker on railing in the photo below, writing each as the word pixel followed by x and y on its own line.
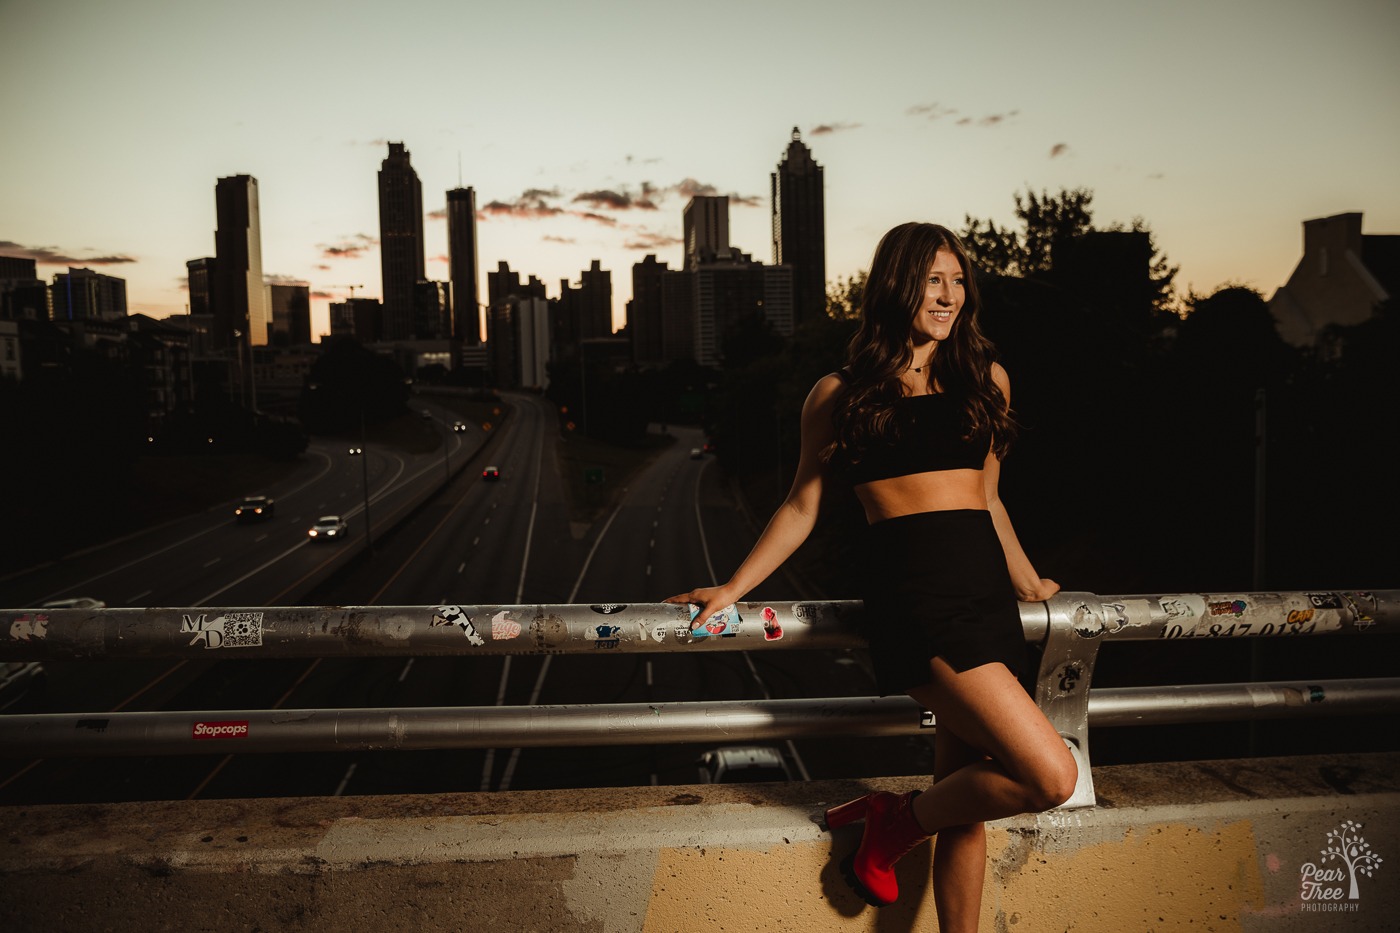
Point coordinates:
pixel 724 623
pixel 503 627
pixel 772 631
pixel 1237 616
pixel 230 630
pixel 30 627
pixel 227 729
pixel 456 615
pixel 604 636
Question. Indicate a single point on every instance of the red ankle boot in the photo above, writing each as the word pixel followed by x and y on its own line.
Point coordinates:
pixel 890 832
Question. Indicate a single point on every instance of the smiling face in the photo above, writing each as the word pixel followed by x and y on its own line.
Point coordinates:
pixel 944 292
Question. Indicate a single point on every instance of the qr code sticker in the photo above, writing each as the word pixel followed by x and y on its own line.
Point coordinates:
pixel 243 629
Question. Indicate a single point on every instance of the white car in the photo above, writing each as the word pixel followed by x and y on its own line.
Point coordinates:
pixel 328 528
pixel 77 602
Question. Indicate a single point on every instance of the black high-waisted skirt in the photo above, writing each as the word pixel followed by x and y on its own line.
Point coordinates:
pixel 936 585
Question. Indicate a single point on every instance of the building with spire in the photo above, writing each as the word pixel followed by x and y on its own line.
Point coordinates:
pixel 799 228
pixel 462 263
pixel 400 241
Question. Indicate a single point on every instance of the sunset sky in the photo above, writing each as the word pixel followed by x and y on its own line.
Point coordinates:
pixel 1222 124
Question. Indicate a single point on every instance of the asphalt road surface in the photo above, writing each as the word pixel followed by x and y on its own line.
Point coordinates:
pixel 470 542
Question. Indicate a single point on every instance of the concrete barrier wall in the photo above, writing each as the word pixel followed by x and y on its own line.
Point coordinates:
pixel 1203 846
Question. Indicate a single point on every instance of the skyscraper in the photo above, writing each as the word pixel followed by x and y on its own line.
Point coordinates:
pixel 462 262
pixel 238 298
pixel 84 295
pixel 706 229
pixel 400 240
pixel 799 228
pixel 291 313
pixel 644 325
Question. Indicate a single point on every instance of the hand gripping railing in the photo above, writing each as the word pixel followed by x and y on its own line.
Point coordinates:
pixel 1068 628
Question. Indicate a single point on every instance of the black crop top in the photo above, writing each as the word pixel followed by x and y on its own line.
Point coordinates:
pixel 929 439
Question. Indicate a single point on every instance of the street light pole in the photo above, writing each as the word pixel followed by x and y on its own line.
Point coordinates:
pixel 364 473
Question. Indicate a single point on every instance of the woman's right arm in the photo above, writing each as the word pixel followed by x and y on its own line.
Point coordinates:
pixel 794 519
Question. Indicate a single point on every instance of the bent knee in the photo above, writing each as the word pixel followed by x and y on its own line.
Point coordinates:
pixel 1052 785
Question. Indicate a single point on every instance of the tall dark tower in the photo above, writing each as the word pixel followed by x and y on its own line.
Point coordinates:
pixel 239 298
pixel 400 240
pixel 461 257
pixel 799 228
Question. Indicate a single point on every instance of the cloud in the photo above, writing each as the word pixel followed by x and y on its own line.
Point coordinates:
pixel 825 128
pixel 351 247
pixel 991 119
pixel 441 259
pixel 439 214
pixel 619 200
pixel 283 280
pixel 532 204
pixel 322 266
pixel 53 256
pixel 596 218
pixel 647 240
pixel 551 238
pixel 931 111
pixel 1156 176
pixel 321 294
pixel 1058 150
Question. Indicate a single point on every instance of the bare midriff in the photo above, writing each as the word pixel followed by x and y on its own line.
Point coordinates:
pixel 936 491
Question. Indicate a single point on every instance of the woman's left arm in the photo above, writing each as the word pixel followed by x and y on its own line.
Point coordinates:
pixel 1030 586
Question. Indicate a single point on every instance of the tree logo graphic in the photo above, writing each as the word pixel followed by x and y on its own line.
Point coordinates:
pixel 1345 858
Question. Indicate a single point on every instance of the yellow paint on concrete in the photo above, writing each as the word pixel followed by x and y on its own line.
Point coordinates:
pixel 1163 877
pixel 1159 877
pixel 787 889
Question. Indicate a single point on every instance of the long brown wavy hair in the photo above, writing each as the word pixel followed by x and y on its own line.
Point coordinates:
pixel 880 350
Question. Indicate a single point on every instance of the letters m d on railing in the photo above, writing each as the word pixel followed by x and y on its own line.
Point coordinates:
pixel 1068 629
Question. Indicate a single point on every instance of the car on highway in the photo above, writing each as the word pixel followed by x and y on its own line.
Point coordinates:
pixel 356 451
pixel 255 509
pixel 19 679
pixel 742 764
pixel 76 602
pixel 460 427
pixel 328 528
pixel 491 474
pixel 696 453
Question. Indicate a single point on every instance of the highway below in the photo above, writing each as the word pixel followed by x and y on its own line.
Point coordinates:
pixel 470 542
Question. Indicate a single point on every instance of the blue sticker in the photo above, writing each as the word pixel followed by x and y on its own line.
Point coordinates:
pixel 724 623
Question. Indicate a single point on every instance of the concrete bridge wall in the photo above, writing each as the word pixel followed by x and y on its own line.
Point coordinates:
pixel 1203 846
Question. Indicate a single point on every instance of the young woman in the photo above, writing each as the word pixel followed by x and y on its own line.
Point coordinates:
pixel 917 423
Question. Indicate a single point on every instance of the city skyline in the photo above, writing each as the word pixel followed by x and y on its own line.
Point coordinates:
pixel 1222 127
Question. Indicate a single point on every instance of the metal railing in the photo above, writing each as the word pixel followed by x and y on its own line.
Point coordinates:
pixel 1069 628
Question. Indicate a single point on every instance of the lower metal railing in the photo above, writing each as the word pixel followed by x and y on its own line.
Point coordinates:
pixel 347 730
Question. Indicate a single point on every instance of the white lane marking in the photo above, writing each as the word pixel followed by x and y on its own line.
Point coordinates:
pixel 406 668
pixel 213 562
pixel 476 540
pixel 170 547
pixel 463 565
pixel 131 600
pixel 544 668
pixel 349 773
pixel 489 764
pixel 261 537
pixel 714 581
pixel 648 569
pixel 652 544
pixel 488 520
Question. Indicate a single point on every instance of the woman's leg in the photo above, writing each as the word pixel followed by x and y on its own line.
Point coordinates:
pixel 1030 767
pixel 960 852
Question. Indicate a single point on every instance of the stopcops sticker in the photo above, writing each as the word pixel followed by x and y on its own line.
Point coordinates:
pixel 230 729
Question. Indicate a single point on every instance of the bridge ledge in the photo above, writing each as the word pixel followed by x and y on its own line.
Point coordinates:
pixel 1191 840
